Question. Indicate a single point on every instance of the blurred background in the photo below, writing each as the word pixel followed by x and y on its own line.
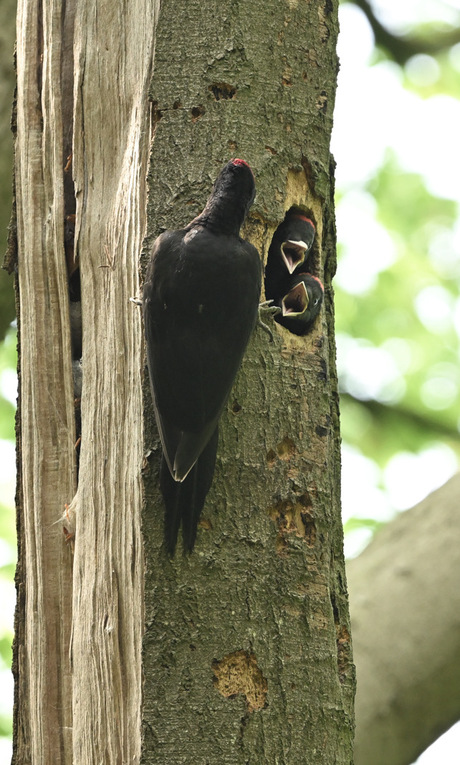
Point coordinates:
pixel 396 142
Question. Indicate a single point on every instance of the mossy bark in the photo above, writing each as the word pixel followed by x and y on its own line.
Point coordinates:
pixel 247 652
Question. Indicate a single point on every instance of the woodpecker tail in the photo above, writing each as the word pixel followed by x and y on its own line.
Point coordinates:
pixel 184 500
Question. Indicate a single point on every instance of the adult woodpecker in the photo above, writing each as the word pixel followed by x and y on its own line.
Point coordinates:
pixel 301 304
pixel 288 253
pixel 200 304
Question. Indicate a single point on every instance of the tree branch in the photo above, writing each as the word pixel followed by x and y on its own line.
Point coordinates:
pixel 402 47
pixel 404 603
pixel 411 418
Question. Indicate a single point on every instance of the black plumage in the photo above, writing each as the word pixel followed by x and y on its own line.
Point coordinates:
pixel 200 303
pixel 184 500
pixel 288 253
pixel 301 304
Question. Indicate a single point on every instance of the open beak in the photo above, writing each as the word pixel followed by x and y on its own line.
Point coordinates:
pixel 293 254
pixel 296 301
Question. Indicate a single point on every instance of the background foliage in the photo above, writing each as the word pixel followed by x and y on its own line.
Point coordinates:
pixel 397 285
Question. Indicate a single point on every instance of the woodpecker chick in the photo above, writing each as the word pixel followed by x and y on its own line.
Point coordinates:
pixel 288 253
pixel 301 304
pixel 200 304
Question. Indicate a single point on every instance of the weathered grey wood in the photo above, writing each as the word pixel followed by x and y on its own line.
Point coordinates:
pixel 247 647
pixel 91 81
pixel 113 65
pixel 47 479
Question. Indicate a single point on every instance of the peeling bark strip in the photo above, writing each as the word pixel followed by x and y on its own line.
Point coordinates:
pixel 80 188
pixel 265 585
pixel 46 434
pixel 114 45
pixel 239 673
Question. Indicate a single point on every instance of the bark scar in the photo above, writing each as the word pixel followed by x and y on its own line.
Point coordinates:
pixel 294 517
pixel 222 91
pixel 239 673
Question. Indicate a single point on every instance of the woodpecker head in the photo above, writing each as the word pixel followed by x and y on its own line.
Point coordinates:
pixel 301 233
pixel 237 177
pixel 232 196
pixel 307 293
pixel 296 301
pixel 302 304
pixel 240 162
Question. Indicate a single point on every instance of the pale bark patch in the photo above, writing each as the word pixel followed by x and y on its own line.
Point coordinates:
pixel 239 673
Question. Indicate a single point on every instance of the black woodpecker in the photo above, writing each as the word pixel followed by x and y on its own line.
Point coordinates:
pixel 200 305
pixel 301 304
pixel 288 253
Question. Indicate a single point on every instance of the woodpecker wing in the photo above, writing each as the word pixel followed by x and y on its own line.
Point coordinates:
pixel 200 303
pixel 184 500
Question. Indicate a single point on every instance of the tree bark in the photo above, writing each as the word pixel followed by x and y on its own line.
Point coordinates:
pixel 247 647
pixel 83 114
pixel 405 602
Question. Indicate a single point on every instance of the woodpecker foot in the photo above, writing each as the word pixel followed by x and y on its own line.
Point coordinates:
pixel 272 310
pixel 136 301
pixel 269 306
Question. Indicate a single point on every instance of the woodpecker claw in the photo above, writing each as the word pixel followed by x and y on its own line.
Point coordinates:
pixel 273 310
pixel 266 329
pixel 136 301
pixel 265 305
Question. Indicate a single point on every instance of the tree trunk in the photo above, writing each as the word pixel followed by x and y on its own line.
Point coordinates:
pixel 247 647
pixel 82 113
pixel 247 651
pixel 406 631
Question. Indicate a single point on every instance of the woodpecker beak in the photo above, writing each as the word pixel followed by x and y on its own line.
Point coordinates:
pixel 293 254
pixel 296 301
